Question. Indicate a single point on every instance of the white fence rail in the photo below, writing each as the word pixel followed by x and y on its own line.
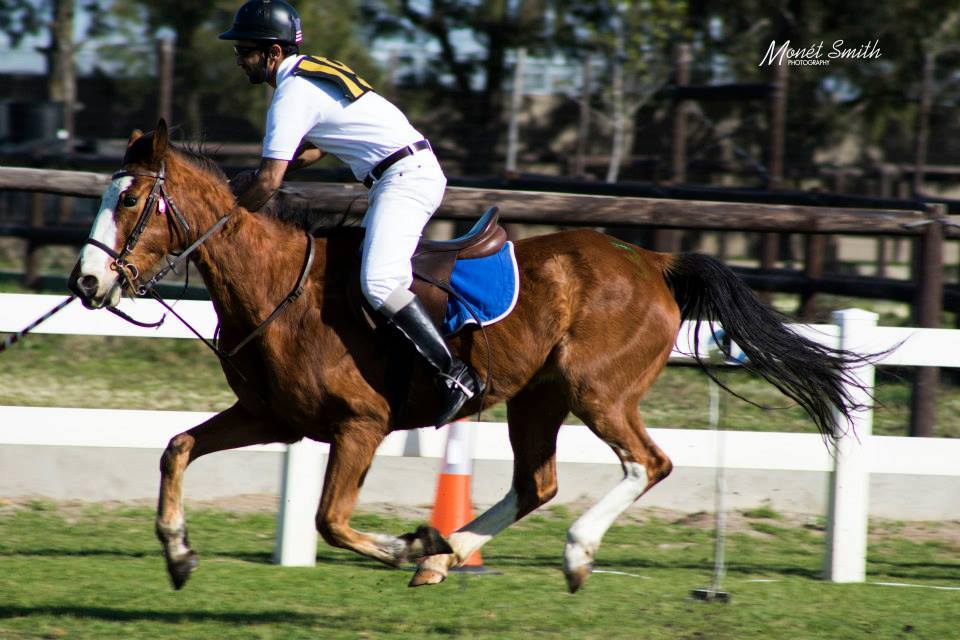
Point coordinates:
pixel 850 464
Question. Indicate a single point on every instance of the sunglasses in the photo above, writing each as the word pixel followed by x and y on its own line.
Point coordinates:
pixel 244 52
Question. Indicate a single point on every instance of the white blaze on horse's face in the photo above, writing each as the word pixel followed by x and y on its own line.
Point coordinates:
pixel 95 261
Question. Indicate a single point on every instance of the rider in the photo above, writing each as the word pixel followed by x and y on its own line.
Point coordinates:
pixel 321 106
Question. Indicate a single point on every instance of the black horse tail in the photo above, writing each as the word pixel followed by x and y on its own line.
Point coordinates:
pixel 813 375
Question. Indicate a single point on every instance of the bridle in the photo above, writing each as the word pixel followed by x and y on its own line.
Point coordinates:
pixel 129 274
pixel 158 198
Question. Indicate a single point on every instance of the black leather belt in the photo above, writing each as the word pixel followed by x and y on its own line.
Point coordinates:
pixel 393 159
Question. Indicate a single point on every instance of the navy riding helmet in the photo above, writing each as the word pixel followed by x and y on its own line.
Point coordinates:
pixel 266 20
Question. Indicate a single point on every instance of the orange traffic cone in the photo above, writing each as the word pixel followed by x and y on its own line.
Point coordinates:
pixel 452 507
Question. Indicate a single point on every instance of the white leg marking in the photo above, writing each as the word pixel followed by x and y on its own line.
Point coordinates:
pixel 174 534
pixel 391 546
pixel 94 261
pixel 585 534
pixel 479 532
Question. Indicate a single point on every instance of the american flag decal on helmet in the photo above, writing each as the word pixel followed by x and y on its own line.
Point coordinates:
pixel 298 36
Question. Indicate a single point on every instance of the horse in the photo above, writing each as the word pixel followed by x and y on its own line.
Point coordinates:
pixel 594 325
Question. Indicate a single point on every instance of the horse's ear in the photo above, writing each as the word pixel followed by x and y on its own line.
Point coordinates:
pixel 161 138
pixel 136 135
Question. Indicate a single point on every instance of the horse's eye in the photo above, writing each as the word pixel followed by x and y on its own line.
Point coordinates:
pixel 129 201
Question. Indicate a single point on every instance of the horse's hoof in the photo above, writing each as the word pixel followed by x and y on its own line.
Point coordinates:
pixel 181 568
pixel 577 576
pixel 425 576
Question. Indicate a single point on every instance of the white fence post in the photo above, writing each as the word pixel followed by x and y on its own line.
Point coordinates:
pixel 848 508
pixel 296 544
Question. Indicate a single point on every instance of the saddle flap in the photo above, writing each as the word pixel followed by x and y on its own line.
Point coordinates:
pixel 433 260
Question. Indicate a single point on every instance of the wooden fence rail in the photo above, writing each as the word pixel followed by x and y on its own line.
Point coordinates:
pixel 553 208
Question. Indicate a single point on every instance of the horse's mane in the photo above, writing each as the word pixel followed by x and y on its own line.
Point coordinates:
pixel 196 155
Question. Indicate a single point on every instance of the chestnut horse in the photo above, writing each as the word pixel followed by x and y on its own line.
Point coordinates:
pixel 595 323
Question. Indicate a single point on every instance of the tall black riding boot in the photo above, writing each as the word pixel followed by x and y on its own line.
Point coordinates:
pixel 456 381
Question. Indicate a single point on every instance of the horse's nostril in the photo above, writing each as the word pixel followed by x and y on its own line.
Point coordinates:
pixel 89 284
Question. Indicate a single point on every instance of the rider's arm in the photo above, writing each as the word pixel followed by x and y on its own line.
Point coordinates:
pixel 264 185
pixel 306 155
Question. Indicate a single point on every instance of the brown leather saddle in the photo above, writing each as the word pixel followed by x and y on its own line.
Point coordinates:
pixel 434 259
pixel 433 263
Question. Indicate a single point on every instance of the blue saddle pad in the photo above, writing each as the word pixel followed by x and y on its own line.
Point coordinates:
pixel 489 286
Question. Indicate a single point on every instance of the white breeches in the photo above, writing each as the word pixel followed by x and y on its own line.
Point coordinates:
pixel 401 203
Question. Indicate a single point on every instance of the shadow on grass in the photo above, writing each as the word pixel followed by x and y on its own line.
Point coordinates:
pixel 130 615
pixel 324 557
pixel 77 553
pixel 914 570
pixel 639 564
pixel 327 557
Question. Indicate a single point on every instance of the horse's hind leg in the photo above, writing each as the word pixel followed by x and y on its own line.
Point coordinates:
pixel 644 465
pixel 534 417
pixel 230 429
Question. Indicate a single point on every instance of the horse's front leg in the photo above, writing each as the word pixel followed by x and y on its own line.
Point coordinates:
pixel 351 454
pixel 233 428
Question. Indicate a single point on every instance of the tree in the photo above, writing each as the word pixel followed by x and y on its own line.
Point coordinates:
pixel 22 18
pixel 870 103
pixel 634 38
pixel 473 41
pixel 208 86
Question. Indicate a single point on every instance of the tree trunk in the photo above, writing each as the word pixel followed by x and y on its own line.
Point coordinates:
pixel 619 105
pixel 62 78
pixel 923 121
pixel 516 105
pixel 583 129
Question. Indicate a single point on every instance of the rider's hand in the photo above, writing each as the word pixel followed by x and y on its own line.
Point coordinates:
pixel 240 182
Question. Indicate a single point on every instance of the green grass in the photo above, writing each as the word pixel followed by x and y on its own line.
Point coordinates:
pixel 170 374
pixel 113 372
pixel 764 512
pixel 97 573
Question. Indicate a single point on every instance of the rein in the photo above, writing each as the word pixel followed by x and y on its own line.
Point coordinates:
pixel 13 339
pixel 295 293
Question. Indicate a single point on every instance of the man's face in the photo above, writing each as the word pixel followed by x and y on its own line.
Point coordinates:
pixel 251 58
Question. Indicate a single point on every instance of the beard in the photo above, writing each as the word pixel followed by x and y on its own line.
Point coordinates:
pixel 257 75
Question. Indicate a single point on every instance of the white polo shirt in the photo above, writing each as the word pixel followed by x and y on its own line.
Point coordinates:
pixel 361 133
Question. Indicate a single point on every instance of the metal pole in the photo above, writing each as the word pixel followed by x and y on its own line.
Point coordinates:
pixel 720 489
pixel 714 592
